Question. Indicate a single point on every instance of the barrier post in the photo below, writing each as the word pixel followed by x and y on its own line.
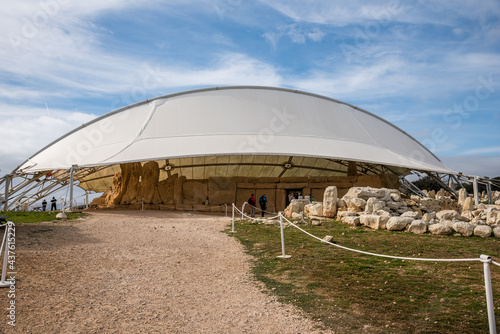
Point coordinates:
pixel 5 243
pixel 283 256
pixel 485 259
pixel 232 230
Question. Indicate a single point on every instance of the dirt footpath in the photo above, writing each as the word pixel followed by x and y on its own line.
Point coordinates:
pixel 139 272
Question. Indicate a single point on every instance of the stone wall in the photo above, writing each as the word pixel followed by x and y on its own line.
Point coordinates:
pixel 139 182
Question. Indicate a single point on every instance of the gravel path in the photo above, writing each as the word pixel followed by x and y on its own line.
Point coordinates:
pixel 140 272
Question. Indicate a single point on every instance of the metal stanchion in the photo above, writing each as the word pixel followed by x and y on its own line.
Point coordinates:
pixel 5 243
pixel 283 255
pixel 485 259
pixel 232 230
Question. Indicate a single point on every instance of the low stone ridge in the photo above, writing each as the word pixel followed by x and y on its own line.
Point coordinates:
pixel 388 209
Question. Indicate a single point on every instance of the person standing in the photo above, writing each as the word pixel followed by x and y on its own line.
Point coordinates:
pixel 263 203
pixel 252 203
pixel 53 206
pixel 44 205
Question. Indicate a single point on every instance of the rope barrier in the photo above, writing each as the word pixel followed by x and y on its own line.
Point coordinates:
pixel 380 255
pixel 248 217
pixel 253 206
pixel 495 263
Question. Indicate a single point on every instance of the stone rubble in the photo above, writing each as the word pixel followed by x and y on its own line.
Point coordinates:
pixel 388 209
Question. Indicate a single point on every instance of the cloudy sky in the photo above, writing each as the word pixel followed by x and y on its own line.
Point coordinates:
pixel 430 67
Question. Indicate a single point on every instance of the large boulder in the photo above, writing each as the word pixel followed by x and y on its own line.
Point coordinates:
pixel 483 231
pixel 374 221
pixel 295 206
pixel 330 202
pixel 448 215
pixel 493 218
pixel 462 195
pixel 398 223
pixel 463 228
pixel 356 204
pixel 496 232
pixel 351 220
pixel 373 205
pixel 440 229
pixel 418 227
pixel 468 204
pixel 314 209
pixel 411 214
pixel 365 192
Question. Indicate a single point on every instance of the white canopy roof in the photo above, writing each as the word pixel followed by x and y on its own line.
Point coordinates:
pixel 236 121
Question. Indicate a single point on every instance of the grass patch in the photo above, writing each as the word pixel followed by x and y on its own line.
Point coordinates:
pixel 35 217
pixel 349 290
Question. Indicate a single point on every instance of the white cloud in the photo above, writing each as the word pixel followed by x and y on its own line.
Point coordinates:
pixel 483 150
pixel 479 165
pixel 296 34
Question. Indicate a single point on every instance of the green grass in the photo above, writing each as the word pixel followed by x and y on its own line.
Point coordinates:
pixel 351 290
pixel 35 217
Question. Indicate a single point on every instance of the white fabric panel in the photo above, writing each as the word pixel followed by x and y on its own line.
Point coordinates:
pixel 236 120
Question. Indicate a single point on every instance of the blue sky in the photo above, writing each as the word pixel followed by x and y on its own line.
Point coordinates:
pixel 430 67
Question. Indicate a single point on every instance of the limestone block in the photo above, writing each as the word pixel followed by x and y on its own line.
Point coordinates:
pixel 442 193
pixel 493 218
pixel 351 220
pixel 194 192
pixel 411 214
pixel 242 196
pixel 295 206
pixel 328 238
pixel 395 197
pixel 365 192
pixel 131 174
pixel 483 231
pixel 374 221
pixel 178 189
pixel 303 179
pixel 356 204
pixel 384 213
pixel 496 232
pixel 428 216
pixel 292 185
pixel 440 229
pixel 296 215
pixel 462 195
pixel 265 185
pixel 318 179
pixel 246 185
pixel 341 214
pixel 330 202
pixel 184 207
pixel 398 223
pixel 280 199
pixel 393 205
pixel 268 180
pixel 467 215
pixel 373 205
pixel 448 215
pixel 201 208
pixel 221 190
pixel 468 204
pixel 464 228
pixel 149 179
pixel 166 189
pixel 418 227
pixel 316 209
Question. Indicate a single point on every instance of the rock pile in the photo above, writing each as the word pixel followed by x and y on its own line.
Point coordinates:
pixel 388 209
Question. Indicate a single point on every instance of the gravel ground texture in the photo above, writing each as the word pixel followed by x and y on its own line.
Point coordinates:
pixel 140 272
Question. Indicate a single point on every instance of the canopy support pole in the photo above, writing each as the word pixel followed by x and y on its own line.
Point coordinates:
pixel 6 198
pixel 476 195
pixel 490 195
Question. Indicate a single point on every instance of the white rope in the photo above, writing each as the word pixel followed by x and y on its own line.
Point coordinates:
pixel 381 255
pixel 495 263
pixel 243 214
pixel 253 206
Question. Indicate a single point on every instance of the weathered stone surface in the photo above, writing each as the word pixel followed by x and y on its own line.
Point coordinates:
pixel 178 188
pixel 418 227
pixel 194 192
pixel 483 231
pixel 131 174
pixel 396 197
pixel 221 190
pixel 440 229
pixel 398 223
pixel 356 204
pixel 147 189
pixel 296 215
pixel 374 221
pixel 295 206
pixel 493 218
pixel 468 204
pixel 314 209
pixel 448 215
pixel 330 202
pixel 496 232
pixel 316 222
pixel 280 199
pixel 166 189
pixel 351 220
pixel 365 192
pixel 462 195
pixel 411 214
pixel 428 216
pixel 393 205
pixel 464 228
pixel 384 213
pixel 341 214
pixel 373 205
